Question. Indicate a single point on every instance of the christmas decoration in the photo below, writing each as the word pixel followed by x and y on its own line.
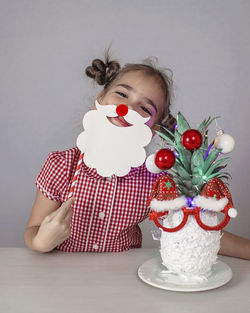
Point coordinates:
pixel 191 139
pixel 192 204
pixel 162 198
pixel 225 142
pixel 151 166
pixel 164 159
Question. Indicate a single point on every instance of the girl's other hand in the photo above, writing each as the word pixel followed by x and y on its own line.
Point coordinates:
pixel 55 228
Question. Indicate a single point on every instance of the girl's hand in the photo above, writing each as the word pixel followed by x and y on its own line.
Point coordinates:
pixel 55 228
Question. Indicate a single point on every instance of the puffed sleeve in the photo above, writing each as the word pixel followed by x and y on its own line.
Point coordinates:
pixel 52 179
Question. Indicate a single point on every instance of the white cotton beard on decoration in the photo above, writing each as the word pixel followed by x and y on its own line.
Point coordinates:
pixel 190 252
pixel 111 149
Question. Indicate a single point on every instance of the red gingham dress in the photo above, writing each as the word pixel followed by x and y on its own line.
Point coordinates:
pixel 106 212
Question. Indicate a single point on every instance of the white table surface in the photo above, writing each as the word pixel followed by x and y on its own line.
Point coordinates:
pixel 106 282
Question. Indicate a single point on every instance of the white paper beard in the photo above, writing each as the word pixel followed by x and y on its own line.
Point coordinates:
pixel 111 149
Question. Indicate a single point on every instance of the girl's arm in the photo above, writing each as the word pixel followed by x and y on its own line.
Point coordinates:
pixel 232 245
pixel 49 223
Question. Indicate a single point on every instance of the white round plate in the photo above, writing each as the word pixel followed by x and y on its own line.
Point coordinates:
pixel 152 273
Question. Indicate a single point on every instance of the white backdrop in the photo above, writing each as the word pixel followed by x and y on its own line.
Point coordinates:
pixel 45 47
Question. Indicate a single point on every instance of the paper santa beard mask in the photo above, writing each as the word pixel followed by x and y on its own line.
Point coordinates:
pixel 111 149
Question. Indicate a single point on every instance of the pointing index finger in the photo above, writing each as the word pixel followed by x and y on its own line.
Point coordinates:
pixel 64 208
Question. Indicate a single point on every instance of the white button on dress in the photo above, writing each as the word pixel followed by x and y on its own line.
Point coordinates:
pixel 95 246
pixel 101 215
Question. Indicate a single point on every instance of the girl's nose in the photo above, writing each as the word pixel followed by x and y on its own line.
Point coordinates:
pixel 121 109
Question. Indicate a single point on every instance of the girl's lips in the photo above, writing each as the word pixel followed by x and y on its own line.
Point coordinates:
pixel 119 121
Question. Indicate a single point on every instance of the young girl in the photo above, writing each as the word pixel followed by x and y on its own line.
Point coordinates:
pixel 104 214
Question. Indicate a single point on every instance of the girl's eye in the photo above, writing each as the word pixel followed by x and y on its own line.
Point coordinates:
pixel 146 110
pixel 121 94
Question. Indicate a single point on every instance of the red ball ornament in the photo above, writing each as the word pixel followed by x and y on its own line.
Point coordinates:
pixel 191 139
pixel 164 159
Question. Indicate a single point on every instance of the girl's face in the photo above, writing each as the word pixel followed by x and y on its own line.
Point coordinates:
pixel 140 92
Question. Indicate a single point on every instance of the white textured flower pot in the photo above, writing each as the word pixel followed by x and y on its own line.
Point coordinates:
pixel 191 251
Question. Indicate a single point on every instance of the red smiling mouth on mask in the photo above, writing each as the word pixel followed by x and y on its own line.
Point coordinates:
pixel 119 120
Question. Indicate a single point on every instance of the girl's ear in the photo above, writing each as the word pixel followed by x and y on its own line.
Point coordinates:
pixel 100 96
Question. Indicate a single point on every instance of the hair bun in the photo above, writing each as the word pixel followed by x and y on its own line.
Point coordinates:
pixel 102 72
pixel 97 71
pixel 113 68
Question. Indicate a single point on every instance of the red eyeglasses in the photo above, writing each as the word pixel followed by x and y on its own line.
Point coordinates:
pixel 214 191
pixel 154 216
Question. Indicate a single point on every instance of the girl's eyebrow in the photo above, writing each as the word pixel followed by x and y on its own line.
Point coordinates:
pixel 126 86
pixel 132 89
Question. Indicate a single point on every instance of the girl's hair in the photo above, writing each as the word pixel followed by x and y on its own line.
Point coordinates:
pixel 105 73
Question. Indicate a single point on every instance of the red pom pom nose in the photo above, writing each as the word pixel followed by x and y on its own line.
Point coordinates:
pixel 121 109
